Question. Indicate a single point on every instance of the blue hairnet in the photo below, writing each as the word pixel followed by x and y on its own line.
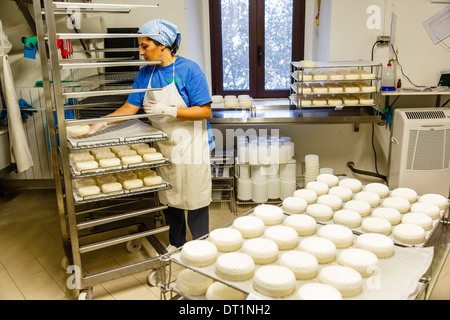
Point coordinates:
pixel 167 31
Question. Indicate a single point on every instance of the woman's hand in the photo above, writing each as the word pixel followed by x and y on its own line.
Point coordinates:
pixel 97 126
pixel 155 107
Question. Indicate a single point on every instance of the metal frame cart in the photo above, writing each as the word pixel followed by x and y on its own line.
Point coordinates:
pixel 89 224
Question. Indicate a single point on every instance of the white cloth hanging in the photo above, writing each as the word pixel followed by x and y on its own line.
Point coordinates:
pixel 19 148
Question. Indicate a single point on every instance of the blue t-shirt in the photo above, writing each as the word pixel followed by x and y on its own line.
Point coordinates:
pixel 189 80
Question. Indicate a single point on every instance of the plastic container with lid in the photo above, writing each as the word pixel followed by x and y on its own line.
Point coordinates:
pixel 388 81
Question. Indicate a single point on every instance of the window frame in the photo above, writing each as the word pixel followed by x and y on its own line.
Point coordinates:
pixel 256 39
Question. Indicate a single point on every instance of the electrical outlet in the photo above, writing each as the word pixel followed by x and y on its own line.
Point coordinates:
pixel 385 39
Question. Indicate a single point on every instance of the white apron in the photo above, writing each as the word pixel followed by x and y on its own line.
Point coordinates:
pixel 187 149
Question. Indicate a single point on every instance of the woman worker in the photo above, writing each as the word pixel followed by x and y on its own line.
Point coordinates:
pixel 185 102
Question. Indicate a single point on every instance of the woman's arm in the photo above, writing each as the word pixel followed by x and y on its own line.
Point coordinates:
pixel 194 113
pixel 126 110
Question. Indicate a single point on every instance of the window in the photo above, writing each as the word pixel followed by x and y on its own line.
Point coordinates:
pixel 252 45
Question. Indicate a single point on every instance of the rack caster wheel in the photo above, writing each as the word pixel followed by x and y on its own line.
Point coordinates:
pixel 154 278
pixel 134 246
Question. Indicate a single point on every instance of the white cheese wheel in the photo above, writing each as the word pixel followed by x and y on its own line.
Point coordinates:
pixel 350 101
pixel 344 193
pixel 319 187
pixel 128 175
pixel 382 246
pixel 401 204
pixel 306 102
pixel 319 76
pixel 320 212
pixel 349 75
pixel 407 193
pixel 379 188
pixel 361 260
pixel 262 251
pixel 304 225
pixel 353 184
pixel 226 239
pixel 330 179
pixel 152 156
pixel 86 166
pixel 310 196
pixel 409 233
pixel 347 280
pixel 334 88
pixel 198 253
pixel 133 184
pixel 334 202
pixel 420 219
pixel 111 187
pixel 371 198
pixel 285 237
pixel 390 214
pixel 303 76
pixel 88 191
pixel 323 249
pixel 274 281
pixel 116 149
pixel 235 266
pixel 249 226
pixel 85 156
pixel 152 180
pixel 109 162
pixel 245 103
pixel 341 236
pixel 429 209
pixel 145 173
pixel 303 264
pixel 270 214
pixel 362 207
pixel 350 88
pixel 294 205
pixel 318 88
pixel 137 146
pixel 220 291
pixel 77 131
pixel 366 101
pixel 376 225
pixel 232 104
pixel 217 99
pixel 319 102
pixel 84 182
pixel 347 218
pixel 436 199
pixel 144 150
pixel 318 291
pixel 192 283
pixel 108 178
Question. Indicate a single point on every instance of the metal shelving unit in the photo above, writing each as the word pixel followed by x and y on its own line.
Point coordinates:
pixel 94 223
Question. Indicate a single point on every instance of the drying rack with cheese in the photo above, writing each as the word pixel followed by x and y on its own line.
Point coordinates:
pixel 335 84
pixel 106 182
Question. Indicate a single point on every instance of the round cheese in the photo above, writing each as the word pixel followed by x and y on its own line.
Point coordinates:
pixel 192 283
pixel 362 207
pixel 319 187
pixel 344 193
pixel 249 226
pixel 304 265
pixel 382 246
pixel 332 201
pixel 347 280
pixel 390 214
pixel 294 205
pixel 86 165
pixel 361 260
pixel 226 239
pixel 152 180
pixel 318 291
pixel 220 291
pixel 274 281
pixel 310 196
pixel 323 249
pixel 330 179
pixel 353 184
pixel 198 253
pixel 379 188
pixel 307 63
pixel 133 184
pixel 429 209
pixel 88 191
pixel 78 130
pixel 109 162
pixel 131 159
pixel 401 204
pixel 126 153
pixel 111 187
pixel 320 212
pixel 270 214
pixel 347 218
pixel 409 233
pixel 105 155
pixel 407 193
pixel 436 199
pixel 285 237
pixel 235 266
pixel 304 225
pixel 262 251
pixel 152 156
pixel 420 219
pixel 371 198
pixel 341 236
pixel 376 225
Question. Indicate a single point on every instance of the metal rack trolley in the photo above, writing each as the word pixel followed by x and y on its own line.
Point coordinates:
pixel 91 224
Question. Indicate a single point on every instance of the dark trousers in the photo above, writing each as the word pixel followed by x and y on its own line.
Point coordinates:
pixel 198 222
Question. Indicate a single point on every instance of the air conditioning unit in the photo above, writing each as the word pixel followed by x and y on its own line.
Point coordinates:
pixel 419 156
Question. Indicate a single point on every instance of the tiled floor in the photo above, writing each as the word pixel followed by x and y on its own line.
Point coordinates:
pixel 31 254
